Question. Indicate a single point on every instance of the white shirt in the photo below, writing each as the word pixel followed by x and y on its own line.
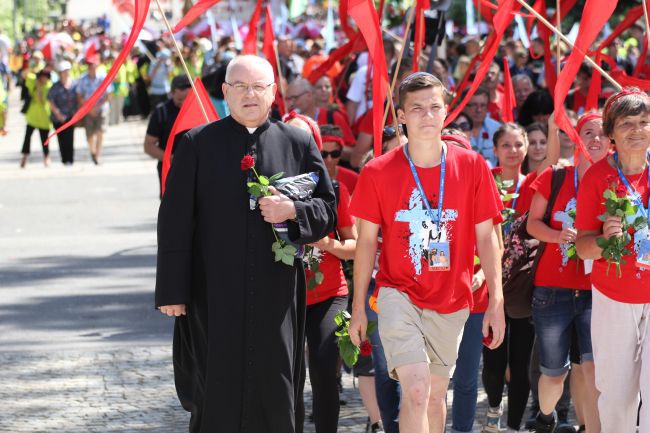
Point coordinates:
pixel 357 92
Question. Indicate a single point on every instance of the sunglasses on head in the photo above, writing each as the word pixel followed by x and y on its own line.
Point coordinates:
pixel 333 154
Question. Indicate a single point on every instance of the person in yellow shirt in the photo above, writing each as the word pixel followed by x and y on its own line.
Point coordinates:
pixel 38 112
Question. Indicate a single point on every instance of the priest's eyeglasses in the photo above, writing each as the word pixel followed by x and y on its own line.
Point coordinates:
pixel 242 88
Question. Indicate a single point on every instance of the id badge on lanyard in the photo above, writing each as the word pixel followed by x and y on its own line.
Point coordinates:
pixel 437 252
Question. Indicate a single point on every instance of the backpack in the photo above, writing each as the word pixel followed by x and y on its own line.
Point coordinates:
pixel 521 256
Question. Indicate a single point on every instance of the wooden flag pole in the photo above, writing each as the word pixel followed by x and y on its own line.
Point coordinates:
pixel 280 76
pixel 180 55
pixel 569 43
pixel 405 43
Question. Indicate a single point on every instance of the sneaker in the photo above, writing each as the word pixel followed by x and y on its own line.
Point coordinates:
pixel 493 420
pixel 543 427
pixel 377 427
pixel 564 427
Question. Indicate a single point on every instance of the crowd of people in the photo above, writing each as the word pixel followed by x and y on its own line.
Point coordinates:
pixel 427 268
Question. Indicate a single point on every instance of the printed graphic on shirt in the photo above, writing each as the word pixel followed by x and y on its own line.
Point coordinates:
pixel 564 218
pixel 422 230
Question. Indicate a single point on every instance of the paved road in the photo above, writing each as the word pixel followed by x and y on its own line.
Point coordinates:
pixel 82 349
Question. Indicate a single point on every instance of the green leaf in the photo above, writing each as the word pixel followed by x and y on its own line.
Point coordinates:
pixel 278 255
pixel 610 195
pixel 290 250
pixel 620 213
pixel 276 176
pixel 630 209
pixel 602 242
pixel 250 184
pixel 311 284
pixel 603 217
pixel 255 191
pixel 319 277
pixel 264 180
pixel 477 261
pixel 611 207
pixel 288 259
pixel 639 223
pixel 277 245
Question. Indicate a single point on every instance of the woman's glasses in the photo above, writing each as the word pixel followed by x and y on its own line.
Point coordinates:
pixel 334 154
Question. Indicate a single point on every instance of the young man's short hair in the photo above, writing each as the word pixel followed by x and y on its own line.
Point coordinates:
pixel 418 81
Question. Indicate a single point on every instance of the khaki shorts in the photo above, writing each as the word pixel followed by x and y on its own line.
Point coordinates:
pixel 412 335
pixel 95 124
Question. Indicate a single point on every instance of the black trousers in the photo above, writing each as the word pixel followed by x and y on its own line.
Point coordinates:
pixel 514 352
pixel 66 143
pixel 323 357
pixel 28 138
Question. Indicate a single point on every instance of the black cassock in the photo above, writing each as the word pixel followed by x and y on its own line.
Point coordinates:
pixel 238 352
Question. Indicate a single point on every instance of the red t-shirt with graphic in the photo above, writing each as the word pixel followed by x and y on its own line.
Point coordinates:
pixel 334 283
pixel 386 194
pixel 634 285
pixel 555 268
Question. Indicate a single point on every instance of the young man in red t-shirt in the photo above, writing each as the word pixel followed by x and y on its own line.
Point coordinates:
pixel 426 265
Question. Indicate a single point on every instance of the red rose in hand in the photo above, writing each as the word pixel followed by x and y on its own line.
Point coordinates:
pixel 485 135
pixel 366 348
pixel 497 171
pixel 247 162
pixel 621 190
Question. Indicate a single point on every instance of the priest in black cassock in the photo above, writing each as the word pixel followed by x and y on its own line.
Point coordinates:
pixel 240 316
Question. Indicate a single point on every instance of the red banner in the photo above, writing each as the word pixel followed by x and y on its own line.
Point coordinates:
pixel 141 12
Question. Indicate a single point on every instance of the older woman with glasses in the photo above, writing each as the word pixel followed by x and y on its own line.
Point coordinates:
pixel 620 301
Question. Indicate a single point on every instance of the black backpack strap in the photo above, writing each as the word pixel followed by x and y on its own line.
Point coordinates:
pixel 557 180
pixel 330 117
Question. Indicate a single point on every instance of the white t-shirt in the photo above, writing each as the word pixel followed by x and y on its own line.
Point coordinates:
pixel 357 92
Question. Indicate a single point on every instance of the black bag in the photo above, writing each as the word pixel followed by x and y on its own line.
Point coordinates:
pixel 521 256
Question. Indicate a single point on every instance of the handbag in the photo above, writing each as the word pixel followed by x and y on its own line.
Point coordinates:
pixel 521 256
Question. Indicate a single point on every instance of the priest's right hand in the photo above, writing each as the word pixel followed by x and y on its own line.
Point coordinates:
pixel 358 326
pixel 173 310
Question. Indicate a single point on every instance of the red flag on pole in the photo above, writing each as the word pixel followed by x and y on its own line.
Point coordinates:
pixel 337 55
pixel 594 17
pixel 502 20
pixel 365 15
pixel 141 12
pixel 268 49
pixel 196 11
pixel 190 116
pixel 509 101
pixel 250 44
pixel 91 50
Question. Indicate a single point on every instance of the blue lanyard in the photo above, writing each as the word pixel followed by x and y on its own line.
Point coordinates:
pixel 441 193
pixel 636 197
pixel 514 200
pixel 575 179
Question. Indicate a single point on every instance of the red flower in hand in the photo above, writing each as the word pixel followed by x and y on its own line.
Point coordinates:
pixel 247 162
pixel 497 171
pixel 366 348
pixel 485 135
pixel 621 190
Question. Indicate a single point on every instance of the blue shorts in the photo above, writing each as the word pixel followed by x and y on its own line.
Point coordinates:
pixel 556 314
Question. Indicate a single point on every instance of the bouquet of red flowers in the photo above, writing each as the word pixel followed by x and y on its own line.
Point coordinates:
pixel 618 204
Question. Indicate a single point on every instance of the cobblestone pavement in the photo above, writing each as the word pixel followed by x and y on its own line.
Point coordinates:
pixel 81 348
pixel 129 390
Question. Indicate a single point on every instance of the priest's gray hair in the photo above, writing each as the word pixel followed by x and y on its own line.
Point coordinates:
pixel 304 83
pixel 250 61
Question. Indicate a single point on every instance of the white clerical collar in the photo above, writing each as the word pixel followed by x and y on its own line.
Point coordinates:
pixel 251 130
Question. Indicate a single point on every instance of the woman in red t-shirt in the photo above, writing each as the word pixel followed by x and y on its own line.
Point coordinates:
pixel 326 299
pixel 621 301
pixel 510 148
pixel 562 294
